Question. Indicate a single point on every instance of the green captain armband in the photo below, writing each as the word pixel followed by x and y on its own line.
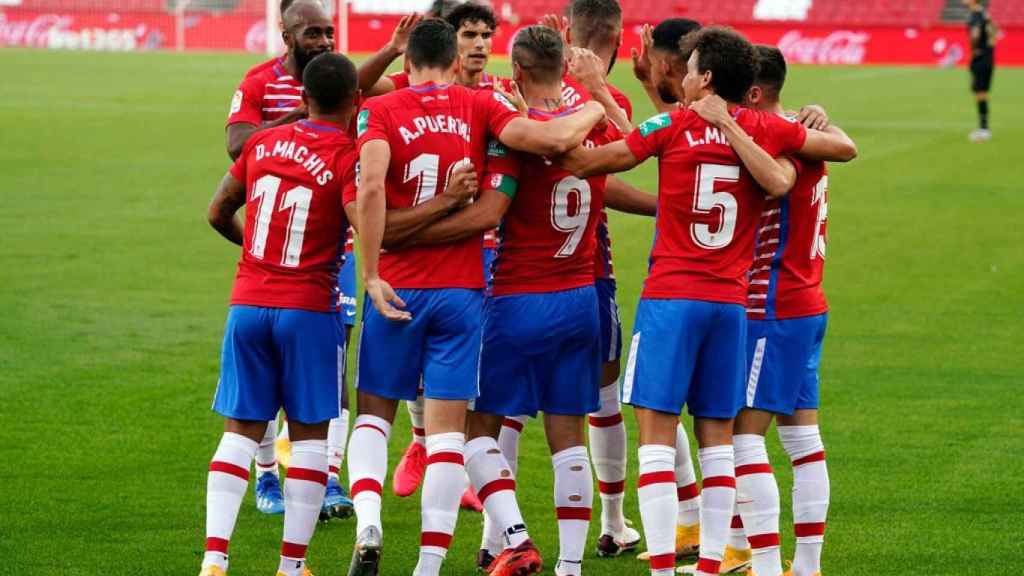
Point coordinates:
pixel 504 184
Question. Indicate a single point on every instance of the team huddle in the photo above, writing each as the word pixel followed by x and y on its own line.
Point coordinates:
pixel 480 208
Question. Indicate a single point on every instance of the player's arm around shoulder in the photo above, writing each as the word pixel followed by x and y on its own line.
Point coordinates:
pixel 610 158
pixel 554 137
pixel 775 177
pixel 831 145
pixel 404 225
pixel 485 213
pixel 825 137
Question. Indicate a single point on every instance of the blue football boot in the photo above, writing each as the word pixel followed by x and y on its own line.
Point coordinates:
pixel 336 504
pixel 269 498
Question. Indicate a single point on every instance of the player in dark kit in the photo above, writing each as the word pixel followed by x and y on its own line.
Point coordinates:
pixel 281 348
pixel 983 39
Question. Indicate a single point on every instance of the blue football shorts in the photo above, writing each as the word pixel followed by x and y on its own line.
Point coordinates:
pixel 540 353
pixel 440 346
pixel 687 352
pixel 782 359
pixel 275 358
pixel 608 314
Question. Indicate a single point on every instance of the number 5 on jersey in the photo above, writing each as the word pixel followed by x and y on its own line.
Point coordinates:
pixel 706 200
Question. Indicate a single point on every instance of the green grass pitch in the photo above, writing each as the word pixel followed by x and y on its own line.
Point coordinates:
pixel 113 292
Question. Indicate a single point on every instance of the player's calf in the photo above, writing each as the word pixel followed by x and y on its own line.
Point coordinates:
pixel 443 484
pixel 757 501
pixel 608 451
pixel 574 493
pixel 810 494
pixel 305 485
pixel 226 483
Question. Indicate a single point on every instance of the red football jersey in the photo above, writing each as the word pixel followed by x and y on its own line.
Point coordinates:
pixel 708 205
pixel 487 82
pixel 574 94
pixel 295 177
pixel 264 65
pixel 789 261
pixel 265 95
pixel 431 128
pixel 548 234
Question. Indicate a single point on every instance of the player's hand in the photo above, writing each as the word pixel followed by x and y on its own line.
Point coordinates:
pixel 713 109
pixel 386 301
pixel 400 37
pixel 642 58
pixel 813 116
pixel 587 68
pixel 559 24
pixel 463 185
pixel 515 96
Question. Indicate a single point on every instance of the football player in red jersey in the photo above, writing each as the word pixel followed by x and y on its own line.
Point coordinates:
pixel 424 304
pixel 285 4
pixel 691 311
pixel 540 336
pixel 787 314
pixel 475 25
pixel 281 346
pixel 272 96
pixel 659 64
pixel 269 96
pixel 594 28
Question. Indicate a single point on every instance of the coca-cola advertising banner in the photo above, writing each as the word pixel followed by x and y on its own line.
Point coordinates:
pixel 802 44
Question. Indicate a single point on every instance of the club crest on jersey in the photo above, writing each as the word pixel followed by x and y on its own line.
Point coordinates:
pixel 236 102
pixel 362 121
pixel 505 101
pixel 655 123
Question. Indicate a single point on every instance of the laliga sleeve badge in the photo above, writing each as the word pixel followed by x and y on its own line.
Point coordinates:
pixel 236 102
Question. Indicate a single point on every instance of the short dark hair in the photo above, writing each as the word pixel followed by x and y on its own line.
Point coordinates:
pixel 432 44
pixel 670 31
pixel 441 8
pixel 285 4
pixel 331 81
pixel 539 50
pixel 771 70
pixel 728 55
pixel 471 12
pixel 595 21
